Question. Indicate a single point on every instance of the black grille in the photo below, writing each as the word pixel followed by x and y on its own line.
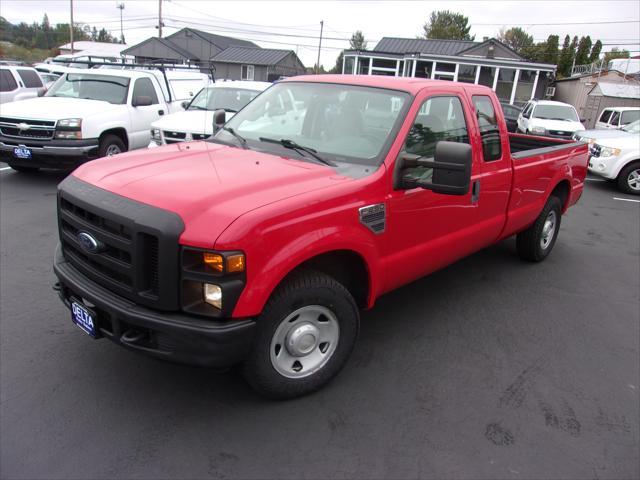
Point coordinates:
pixel 137 253
pixel 174 135
pixel 38 129
pixel 200 136
pixel 560 133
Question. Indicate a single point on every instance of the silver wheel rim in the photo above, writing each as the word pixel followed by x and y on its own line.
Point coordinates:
pixel 548 230
pixel 304 341
pixel 113 150
pixel 633 180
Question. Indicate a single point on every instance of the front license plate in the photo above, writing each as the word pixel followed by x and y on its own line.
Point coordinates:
pixel 22 152
pixel 84 318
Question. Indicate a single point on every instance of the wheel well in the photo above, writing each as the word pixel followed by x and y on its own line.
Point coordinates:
pixel 562 192
pixel 347 267
pixel 121 133
pixel 631 162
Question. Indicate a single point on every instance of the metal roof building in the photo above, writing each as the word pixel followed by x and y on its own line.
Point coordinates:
pixel 514 79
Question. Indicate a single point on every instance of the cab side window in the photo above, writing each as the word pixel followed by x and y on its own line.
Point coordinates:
pixel 489 130
pixel 439 118
pixel 527 110
pixel 605 116
pixel 7 82
pixel 144 88
pixel 615 119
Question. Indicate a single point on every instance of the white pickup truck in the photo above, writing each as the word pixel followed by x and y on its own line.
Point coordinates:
pixel 91 113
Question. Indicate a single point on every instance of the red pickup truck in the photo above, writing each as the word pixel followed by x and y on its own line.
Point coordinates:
pixel 261 245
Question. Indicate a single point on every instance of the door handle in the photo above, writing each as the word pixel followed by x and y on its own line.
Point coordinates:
pixel 475 192
pixel 161 112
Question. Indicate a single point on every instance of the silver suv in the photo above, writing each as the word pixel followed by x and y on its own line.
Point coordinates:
pixel 18 83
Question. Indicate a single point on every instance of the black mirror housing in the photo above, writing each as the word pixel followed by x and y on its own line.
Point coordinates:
pixel 219 119
pixel 451 168
pixel 185 104
pixel 141 101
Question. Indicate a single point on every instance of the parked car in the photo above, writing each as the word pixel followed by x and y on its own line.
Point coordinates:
pixel 615 155
pixel 196 121
pixel 48 79
pixel 617 117
pixel 511 114
pixel 18 83
pixel 261 245
pixel 549 118
pixel 85 115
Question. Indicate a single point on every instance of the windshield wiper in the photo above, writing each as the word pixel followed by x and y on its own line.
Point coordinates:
pixel 196 107
pixel 241 139
pixel 286 143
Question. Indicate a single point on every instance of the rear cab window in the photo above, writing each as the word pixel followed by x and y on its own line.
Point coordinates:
pixel 489 129
pixel 30 78
pixel 439 118
pixel 7 82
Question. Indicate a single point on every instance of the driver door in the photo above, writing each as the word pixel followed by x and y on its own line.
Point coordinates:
pixel 143 116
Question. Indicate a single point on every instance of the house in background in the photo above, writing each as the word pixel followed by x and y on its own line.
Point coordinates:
pixel 97 49
pixel 234 59
pixel 514 79
pixel 590 93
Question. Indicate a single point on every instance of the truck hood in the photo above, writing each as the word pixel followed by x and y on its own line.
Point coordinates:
pixel 190 121
pixel 208 185
pixel 560 125
pixel 628 143
pixel 597 135
pixel 55 108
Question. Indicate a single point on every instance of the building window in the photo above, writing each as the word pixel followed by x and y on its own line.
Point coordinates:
pixel 247 72
pixel 467 73
pixel 524 89
pixel 486 76
pixel 349 63
pixel 424 69
pixel 505 84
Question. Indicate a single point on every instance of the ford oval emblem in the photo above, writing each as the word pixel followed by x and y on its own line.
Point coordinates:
pixel 89 243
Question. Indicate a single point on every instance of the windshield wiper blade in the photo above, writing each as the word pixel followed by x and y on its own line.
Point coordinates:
pixel 286 143
pixel 241 139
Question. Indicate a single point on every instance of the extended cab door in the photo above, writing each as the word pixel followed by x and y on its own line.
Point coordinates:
pixel 142 116
pixel 428 230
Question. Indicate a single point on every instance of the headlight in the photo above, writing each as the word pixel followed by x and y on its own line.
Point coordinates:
pixel 69 129
pixel 155 136
pixel 609 152
pixel 538 130
pixel 213 295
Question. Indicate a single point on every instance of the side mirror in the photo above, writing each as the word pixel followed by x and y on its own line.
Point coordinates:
pixel 42 91
pixel 141 101
pixel 185 104
pixel 451 168
pixel 219 119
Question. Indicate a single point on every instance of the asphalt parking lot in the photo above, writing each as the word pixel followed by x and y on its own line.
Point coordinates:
pixel 491 368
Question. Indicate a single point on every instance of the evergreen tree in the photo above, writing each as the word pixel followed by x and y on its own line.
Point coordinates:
pixel 584 48
pixel 595 51
pixel 446 25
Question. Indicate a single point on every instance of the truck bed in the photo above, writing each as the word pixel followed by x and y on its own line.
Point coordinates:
pixel 524 145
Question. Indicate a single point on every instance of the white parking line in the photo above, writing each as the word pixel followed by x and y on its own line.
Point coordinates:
pixel 5 168
pixel 626 200
pixel 595 179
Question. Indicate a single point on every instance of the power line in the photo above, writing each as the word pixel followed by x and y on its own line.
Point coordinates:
pixel 605 22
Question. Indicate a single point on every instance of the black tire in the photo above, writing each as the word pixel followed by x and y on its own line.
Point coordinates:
pixel 534 244
pixel 304 289
pixel 108 145
pixel 22 169
pixel 623 178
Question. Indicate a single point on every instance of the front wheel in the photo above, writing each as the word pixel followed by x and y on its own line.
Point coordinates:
pixel 304 336
pixel 110 145
pixel 537 241
pixel 629 179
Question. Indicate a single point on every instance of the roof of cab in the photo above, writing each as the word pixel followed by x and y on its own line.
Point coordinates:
pixel 408 84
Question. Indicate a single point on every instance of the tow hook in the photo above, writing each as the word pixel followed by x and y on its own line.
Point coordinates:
pixel 57 287
pixel 132 336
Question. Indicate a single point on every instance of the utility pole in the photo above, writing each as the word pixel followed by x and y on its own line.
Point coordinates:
pixel 160 18
pixel 320 46
pixel 71 26
pixel 120 6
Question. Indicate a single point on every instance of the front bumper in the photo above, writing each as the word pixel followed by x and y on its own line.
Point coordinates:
pixel 167 335
pixel 60 154
pixel 604 167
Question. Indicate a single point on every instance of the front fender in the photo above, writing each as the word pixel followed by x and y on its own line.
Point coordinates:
pixel 262 281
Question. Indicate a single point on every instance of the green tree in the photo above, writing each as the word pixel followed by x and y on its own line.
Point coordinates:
pixel 516 38
pixel 584 49
pixel 564 61
pixel 357 41
pixel 550 54
pixel 595 51
pixel 447 25
pixel 615 53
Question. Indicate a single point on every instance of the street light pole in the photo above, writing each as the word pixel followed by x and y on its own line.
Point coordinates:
pixel 320 46
pixel 160 18
pixel 71 26
pixel 120 6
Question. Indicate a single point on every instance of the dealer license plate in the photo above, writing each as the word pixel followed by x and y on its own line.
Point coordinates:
pixel 22 152
pixel 84 318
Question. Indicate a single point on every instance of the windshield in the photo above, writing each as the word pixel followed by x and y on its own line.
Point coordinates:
pixel 91 87
pixel 229 99
pixel 555 112
pixel 629 116
pixel 633 127
pixel 343 123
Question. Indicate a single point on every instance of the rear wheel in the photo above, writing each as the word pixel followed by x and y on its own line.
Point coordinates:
pixel 20 168
pixel 536 242
pixel 110 145
pixel 629 179
pixel 304 336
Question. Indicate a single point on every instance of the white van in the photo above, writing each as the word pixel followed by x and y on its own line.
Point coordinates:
pixel 617 117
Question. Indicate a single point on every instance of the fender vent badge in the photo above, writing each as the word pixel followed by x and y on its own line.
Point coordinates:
pixel 373 217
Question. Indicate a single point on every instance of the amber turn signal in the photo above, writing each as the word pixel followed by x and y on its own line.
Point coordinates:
pixel 214 261
pixel 235 263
